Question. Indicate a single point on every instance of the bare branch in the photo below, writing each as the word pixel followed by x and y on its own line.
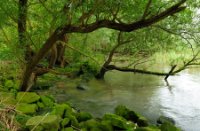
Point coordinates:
pixel 146 11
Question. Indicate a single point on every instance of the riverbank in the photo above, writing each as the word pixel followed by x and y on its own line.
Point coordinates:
pixel 29 111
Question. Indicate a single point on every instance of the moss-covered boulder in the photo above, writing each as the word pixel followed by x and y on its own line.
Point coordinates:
pixel 65 122
pixel 150 128
pixel 84 116
pixel 26 108
pixel 126 113
pixel 62 110
pixel 89 124
pixel 142 122
pixel 168 127
pixel 47 101
pixel 118 122
pixel 163 119
pixel 27 97
pixel 68 129
pixel 46 122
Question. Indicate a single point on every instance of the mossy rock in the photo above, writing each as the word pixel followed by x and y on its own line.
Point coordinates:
pixel 27 97
pixel 47 101
pixel 40 105
pixel 142 122
pixel 27 108
pixel 65 122
pixel 47 122
pixel 89 124
pixel 68 129
pixel 73 121
pixel 169 127
pixel 148 129
pixel 118 121
pixel 163 119
pixel 7 98
pixel 62 110
pixel 126 113
pixel 84 116
pixel 106 126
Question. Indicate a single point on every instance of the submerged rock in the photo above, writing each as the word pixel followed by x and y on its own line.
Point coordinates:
pixel 168 127
pixel 163 119
pixel 142 122
pixel 82 87
pixel 27 97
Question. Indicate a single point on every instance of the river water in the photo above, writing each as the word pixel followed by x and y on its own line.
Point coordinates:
pixel 148 95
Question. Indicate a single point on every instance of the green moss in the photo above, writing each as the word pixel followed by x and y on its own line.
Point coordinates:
pixel 62 110
pixel 48 122
pixel 65 122
pixel 27 97
pixel 27 108
pixel 168 127
pixel 118 121
pixel 47 101
pixel 84 116
pixel 9 84
pixel 142 122
pixel 126 113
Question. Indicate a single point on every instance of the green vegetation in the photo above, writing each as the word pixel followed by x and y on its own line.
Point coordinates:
pixel 43 39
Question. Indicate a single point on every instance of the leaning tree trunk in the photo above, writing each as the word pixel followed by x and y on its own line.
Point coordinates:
pixel 31 66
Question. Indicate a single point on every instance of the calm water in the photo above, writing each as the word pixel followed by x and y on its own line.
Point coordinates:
pixel 149 95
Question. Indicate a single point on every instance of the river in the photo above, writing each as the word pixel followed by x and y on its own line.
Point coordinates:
pixel 148 95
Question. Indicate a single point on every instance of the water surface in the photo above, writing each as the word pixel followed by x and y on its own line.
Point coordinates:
pixel 149 95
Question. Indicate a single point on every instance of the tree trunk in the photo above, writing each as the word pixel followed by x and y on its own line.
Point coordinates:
pixel 31 66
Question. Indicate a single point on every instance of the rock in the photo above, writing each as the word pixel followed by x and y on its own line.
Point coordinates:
pixel 65 122
pixel 9 84
pixel 47 101
pixel 68 129
pixel 47 122
pixel 106 126
pixel 62 110
pixel 118 121
pixel 142 122
pixel 126 113
pixel 84 116
pixel 163 119
pixel 82 87
pixel 27 97
pixel 26 108
pixel 73 121
pixel 168 127
pixel 40 105
pixel 89 124
pixel 7 98
pixel 150 128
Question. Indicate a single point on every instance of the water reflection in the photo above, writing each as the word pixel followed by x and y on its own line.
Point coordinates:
pixel 146 94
